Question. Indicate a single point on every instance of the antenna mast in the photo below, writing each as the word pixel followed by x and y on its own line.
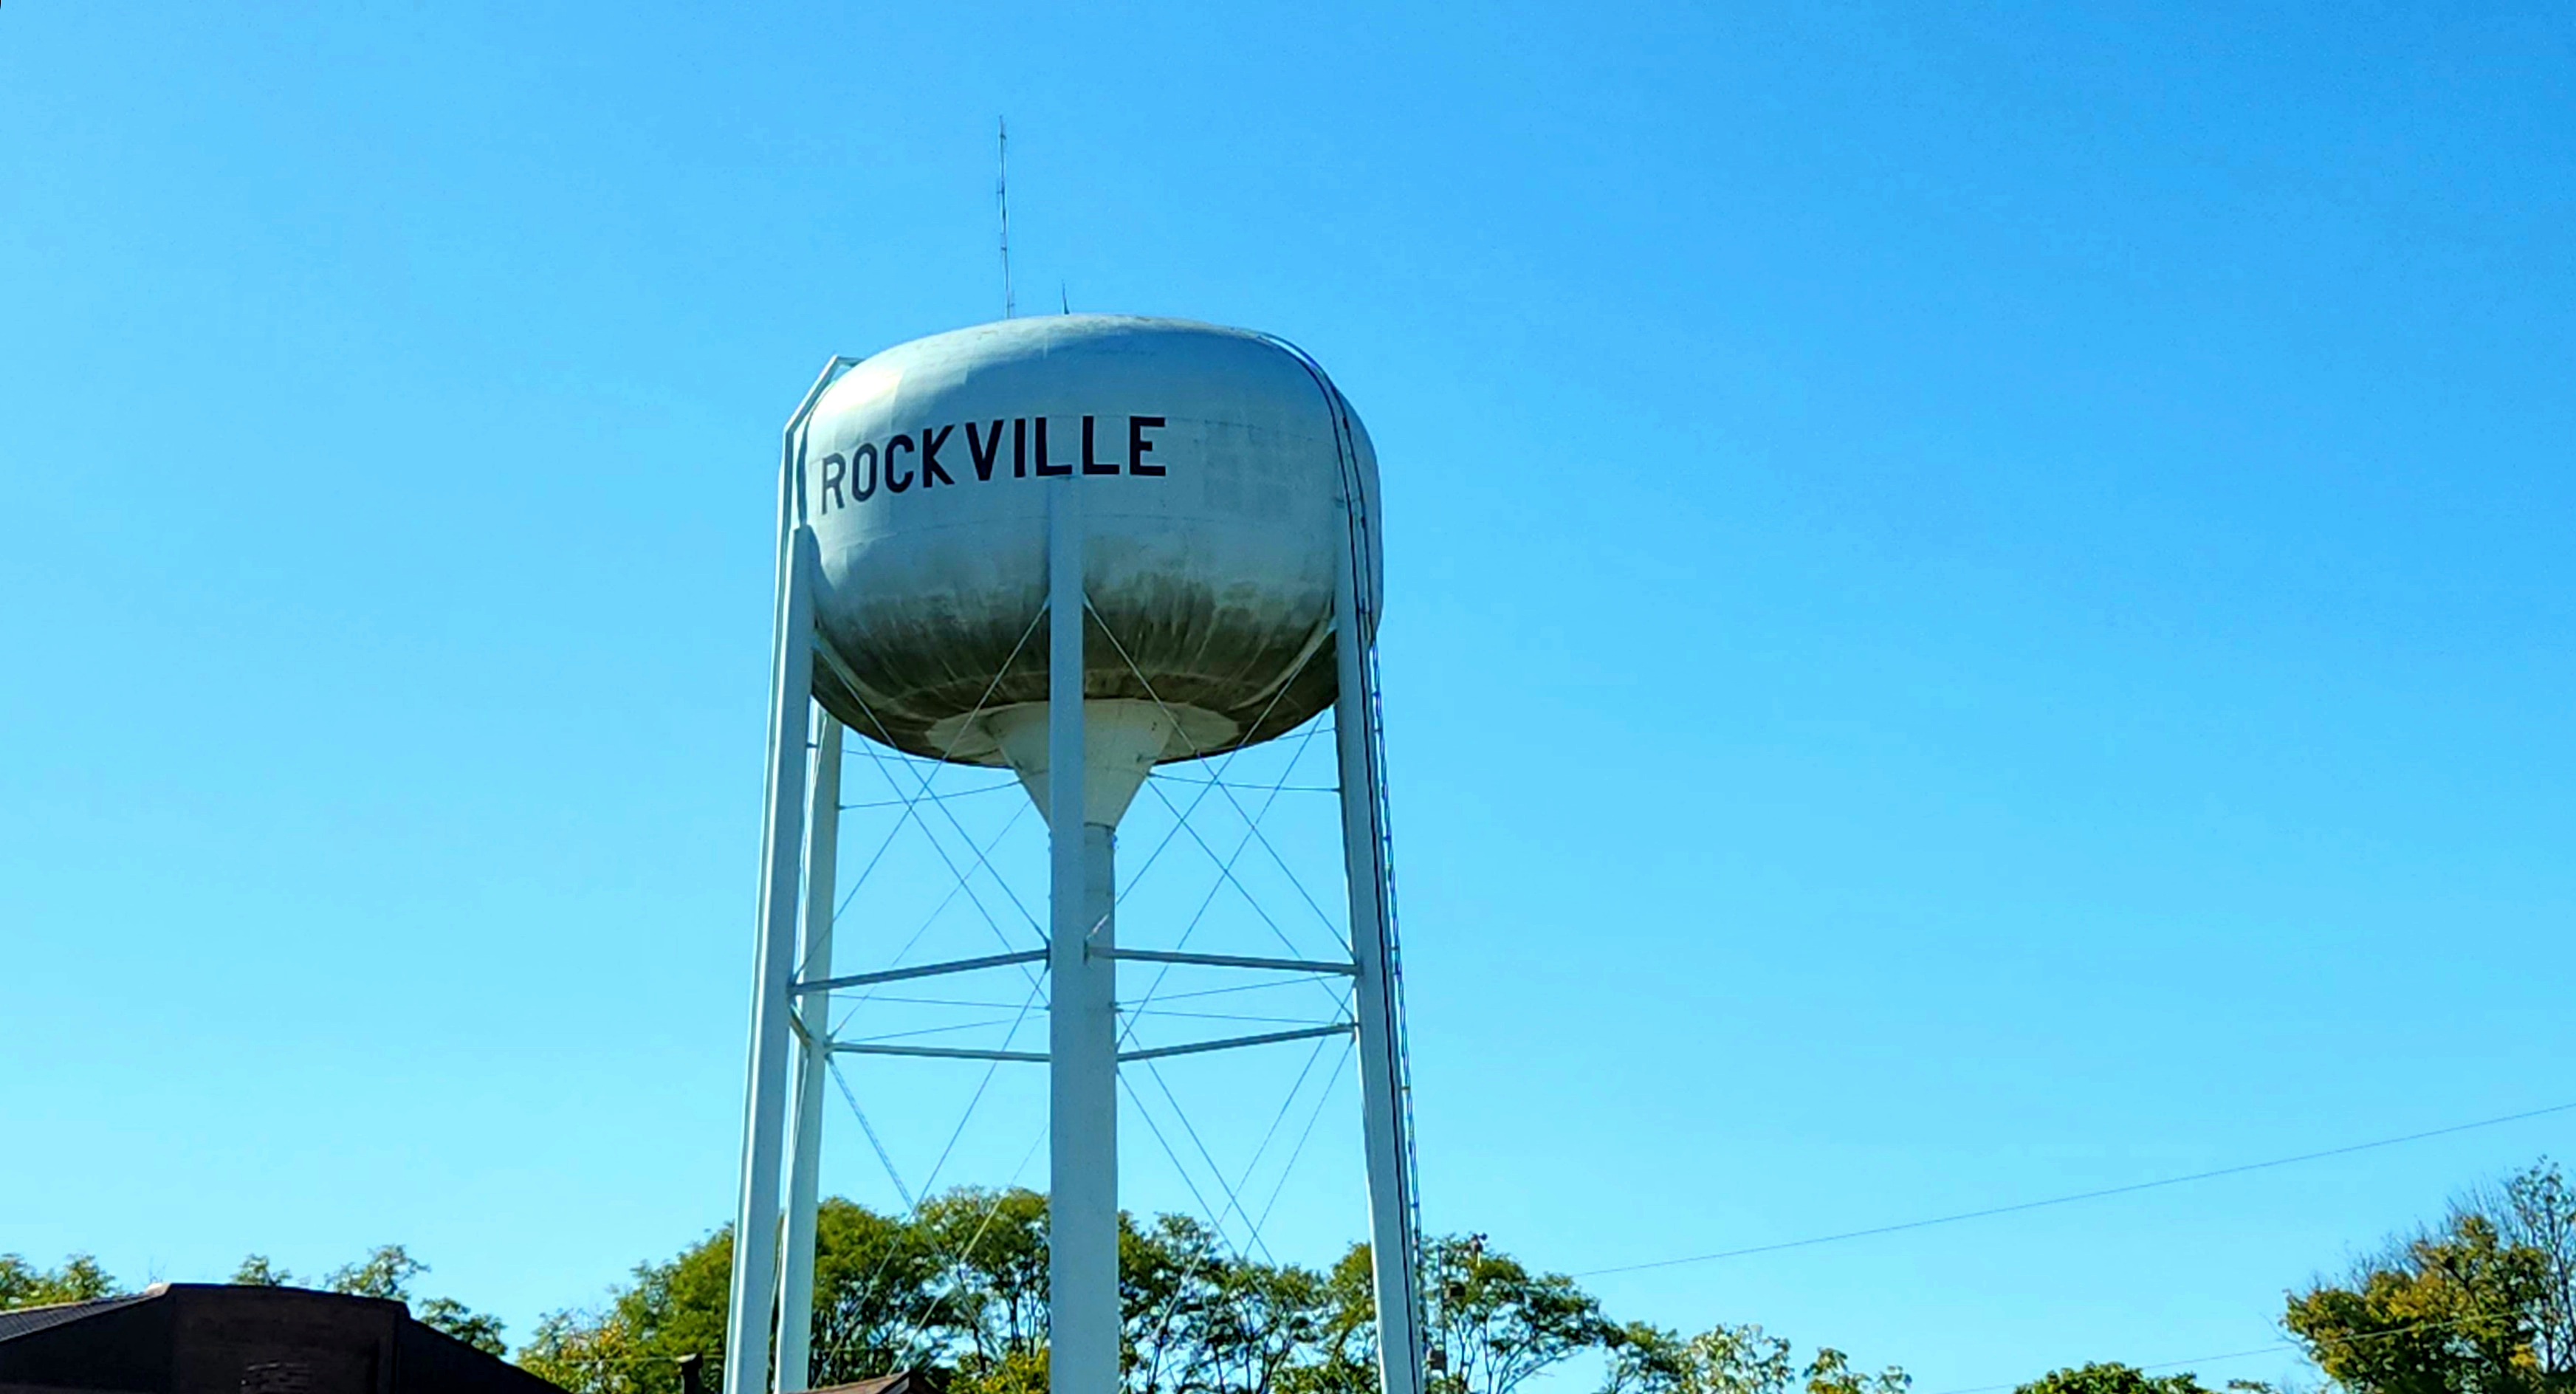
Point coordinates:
pixel 1002 196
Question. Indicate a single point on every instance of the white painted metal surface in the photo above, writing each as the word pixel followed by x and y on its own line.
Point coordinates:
pixel 1082 1036
pixel 813 1023
pixel 1209 464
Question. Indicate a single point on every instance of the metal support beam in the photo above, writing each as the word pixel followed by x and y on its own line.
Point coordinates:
pixel 926 970
pixel 1082 1181
pixel 813 1021
pixel 1383 1107
pixel 1283 965
pixel 752 1302
pixel 1304 1033
pixel 1018 1057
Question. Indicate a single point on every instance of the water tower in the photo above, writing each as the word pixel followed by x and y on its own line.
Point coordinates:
pixel 1074 547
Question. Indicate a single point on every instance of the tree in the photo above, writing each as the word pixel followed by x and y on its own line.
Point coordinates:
pixel 2535 1211
pixel 632 1346
pixel 875 1290
pixel 2119 1379
pixel 1646 1359
pixel 257 1272
pixel 480 1330
pixel 990 1293
pixel 386 1272
pixel 1831 1372
pixel 80 1279
pixel 2480 1305
pixel 1495 1323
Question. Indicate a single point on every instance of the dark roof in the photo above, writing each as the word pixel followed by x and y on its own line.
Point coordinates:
pixel 27 1320
pixel 900 1382
pixel 211 1338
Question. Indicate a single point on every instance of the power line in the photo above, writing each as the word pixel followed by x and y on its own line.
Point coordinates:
pixel 2103 1193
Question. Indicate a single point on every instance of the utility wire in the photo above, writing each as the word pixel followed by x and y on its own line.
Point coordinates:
pixel 2104 1192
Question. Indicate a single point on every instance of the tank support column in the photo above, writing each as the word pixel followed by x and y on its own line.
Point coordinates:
pixel 813 1058
pixel 1082 1044
pixel 755 1233
pixel 1383 1107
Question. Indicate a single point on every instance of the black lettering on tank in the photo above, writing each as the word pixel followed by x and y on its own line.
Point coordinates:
pixel 930 442
pixel 1089 464
pixel 833 469
pixel 897 482
pixel 1019 447
pixel 983 451
pixel 859 494
pixel 1045 469
pixel 1138 447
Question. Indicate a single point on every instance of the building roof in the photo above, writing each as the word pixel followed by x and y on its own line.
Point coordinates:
pixel 900 1382
pixel 211 1338
pixel 28 1320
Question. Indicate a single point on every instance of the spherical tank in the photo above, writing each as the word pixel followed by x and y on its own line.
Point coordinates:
pixel 1209 468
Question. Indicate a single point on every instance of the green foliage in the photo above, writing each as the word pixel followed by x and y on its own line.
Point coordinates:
pixel 2118 1379
pixel 1495 1323
pixel 633 1346
pixel 1746 1359
pixel 80 1279
pixel 2484 1304
pixel 257 1272
pixel 386 1272
pixel 961 1286
pixel 1831 1372
pixel 2442 1313
pixel 480 1330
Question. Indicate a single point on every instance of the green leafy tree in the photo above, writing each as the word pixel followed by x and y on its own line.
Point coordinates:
pixel 80 1279
pixel 990 1295
pixel 1494 1324
pixel 480 1330
pixel 257 1272
pixel 1646 1359
pixel 2450 1311
pixel 2113 1378
pixel 1831 1372
pixel 876 1289
pixel 633 1345
pixel 387 1272
pixel 2535 1211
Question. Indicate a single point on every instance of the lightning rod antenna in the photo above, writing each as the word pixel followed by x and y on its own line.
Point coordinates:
pixel 1002 196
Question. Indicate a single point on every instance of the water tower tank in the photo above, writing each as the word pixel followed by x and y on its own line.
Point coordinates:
pixel 1211 465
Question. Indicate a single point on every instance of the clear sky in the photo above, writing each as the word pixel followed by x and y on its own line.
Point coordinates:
pixel 1979 607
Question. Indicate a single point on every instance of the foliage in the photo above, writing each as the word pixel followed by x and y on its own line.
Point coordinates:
pixel 386 1272
pixel 480 1330
pixel 2480 1305
pixel 80 1279
pixel 633 1346
pixel 962 1286
pixel 257 1272
pixel 2119 1379
pixel 1495 1323
pixel 1647 1359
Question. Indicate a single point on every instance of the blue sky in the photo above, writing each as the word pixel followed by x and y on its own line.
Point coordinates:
pixel 1978 596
